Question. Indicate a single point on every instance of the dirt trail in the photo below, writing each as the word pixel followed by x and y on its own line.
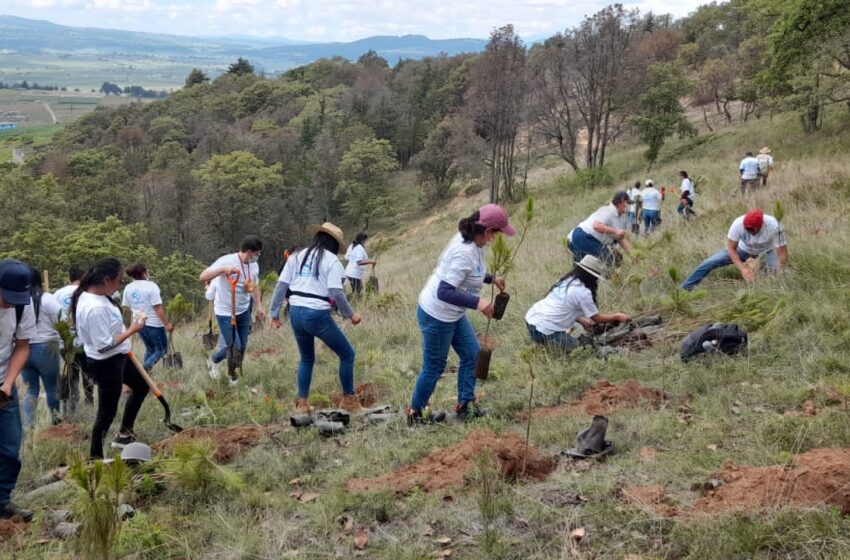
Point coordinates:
pixel 50 111
pixel 605 397
pixel 445 468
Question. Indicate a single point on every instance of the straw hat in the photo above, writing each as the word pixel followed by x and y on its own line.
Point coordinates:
pixel 592 265
pixel 330 229
pixel 764 150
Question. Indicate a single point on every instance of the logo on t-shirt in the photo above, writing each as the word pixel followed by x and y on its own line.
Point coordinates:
pixel 135 296
pixel 306 269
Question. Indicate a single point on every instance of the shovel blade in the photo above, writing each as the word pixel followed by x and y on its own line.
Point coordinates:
pixel 209 341
pixel 234 360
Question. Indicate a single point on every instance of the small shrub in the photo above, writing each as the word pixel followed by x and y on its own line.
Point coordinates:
pixel 100 489
pixel 179 310
pixel 192 469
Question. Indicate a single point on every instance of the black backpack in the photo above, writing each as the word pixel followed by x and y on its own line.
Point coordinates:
pixel 727 338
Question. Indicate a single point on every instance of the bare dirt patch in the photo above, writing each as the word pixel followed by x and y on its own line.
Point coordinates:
pixel 228 442
pixel 445 468
pixel 10 529
pixel 259 352
pixel 605 397
pixel 819 477
pixel 651 497
pixel 808 409
pixel 368 393
pixel 65 431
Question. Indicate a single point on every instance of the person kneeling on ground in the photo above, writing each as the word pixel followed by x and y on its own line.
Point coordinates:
pixel 312 280
pixel 751 235
pixel 17 328
pixel 451 289
pixel 571 300
pixel 100 326
pixel 602 229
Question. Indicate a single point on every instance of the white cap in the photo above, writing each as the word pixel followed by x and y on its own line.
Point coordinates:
pixel 136 451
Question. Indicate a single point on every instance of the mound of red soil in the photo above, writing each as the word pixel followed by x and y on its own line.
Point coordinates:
pixel 605 397
pixel 652 497
pixel 368 393
pixel 818 477
pixel 228 443
pixel 445 468
pixel 65 431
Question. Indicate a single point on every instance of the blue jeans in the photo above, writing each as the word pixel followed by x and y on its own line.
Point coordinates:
pixel 651 219
pixel 437 336
pixel 310 324
pixel 557 340
pixel 156 344
pixel 11 434
pixel 42 364
pixel 226 334
pixel 720 259
pixel 583 244
pixel 631 217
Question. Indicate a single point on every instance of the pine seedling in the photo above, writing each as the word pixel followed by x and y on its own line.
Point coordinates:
pixel 100 489
pixel 528 356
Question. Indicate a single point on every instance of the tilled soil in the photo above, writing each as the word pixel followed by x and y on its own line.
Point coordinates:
pixel 445 468
pixel 652 497
pixel 228 442
pixel 819 477
pixel 65 431
pixel 605 397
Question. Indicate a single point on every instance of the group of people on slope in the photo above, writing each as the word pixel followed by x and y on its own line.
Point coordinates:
pixel 753 171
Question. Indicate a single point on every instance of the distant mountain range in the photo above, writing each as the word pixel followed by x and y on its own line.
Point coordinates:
pixel 37 37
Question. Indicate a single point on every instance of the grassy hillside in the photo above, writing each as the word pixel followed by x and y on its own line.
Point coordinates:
pixel 729 409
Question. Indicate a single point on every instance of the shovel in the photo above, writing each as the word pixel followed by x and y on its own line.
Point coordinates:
pixel 234 353
pixel 209 340
pixel 172 360
pixel 156 392
pixel 372 283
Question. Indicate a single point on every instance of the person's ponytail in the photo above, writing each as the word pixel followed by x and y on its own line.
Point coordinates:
pixel 103 270
pixel 36 290
pixel 469 229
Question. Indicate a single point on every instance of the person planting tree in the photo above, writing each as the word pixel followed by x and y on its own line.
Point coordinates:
pixel 69 386
pixel 572 299
pixel 312 280
pixel 234 321
pixel 106 341
pixel 143 297
pixel 453 288
pixel 750 236
pixel 17 328
pixel 601 230
pixel 42 367
pixel 358 260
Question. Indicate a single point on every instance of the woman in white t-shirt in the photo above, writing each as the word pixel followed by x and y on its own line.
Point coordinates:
pixel 42 365
pixel 312 280
pixel 453 288
pixel 106 342
pixel 358 260
pixel 571 300
pixel 143 297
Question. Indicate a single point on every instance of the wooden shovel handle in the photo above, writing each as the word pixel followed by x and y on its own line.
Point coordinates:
pixel 141 369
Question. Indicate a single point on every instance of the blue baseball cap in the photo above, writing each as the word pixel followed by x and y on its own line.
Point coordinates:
pixel 15 279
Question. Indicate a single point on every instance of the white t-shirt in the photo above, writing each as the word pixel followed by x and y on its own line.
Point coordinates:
pixel 303 279
pixel 770 236
pixel 8 333
pixel 461 265
pixel 561 307
pixel 141 296
pixel 765 163
pixel 354 254
pixel 48 314
pixel 688 188
pixel 99 322
pixel 63 297
pixel 209 293
pixel 607 215
pixel 222 286
pixel 635 195
pixel 749 168
pixel 651 198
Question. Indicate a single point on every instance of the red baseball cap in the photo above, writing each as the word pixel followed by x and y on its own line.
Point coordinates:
pixel 493 216
pixel 754 219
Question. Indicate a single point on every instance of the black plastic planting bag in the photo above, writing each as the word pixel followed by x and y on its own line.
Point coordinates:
pixel 727 338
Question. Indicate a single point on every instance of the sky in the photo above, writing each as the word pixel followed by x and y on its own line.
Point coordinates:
pixel 328 20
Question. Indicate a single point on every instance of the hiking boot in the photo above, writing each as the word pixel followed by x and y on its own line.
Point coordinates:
pixel 214 369
pixel 469 411
pixel 121 440
pixel 424 416
pixel 351 403
pixel 302 406
pixel 11 511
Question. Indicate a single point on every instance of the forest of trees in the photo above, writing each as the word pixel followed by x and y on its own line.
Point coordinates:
pixel 179 180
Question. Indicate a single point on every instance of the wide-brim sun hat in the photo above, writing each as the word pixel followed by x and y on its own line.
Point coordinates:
pixel 764 150
pixel 329 228
pixel 593 265
pixel 493 216
pixel 649 183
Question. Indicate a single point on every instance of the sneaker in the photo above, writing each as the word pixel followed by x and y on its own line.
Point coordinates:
pixel 121 440
pixel 350 403
pixel 424 416
pixel 214 369
pixel 234 381
pixel 11 511
pixel 302 406
pixel 469 411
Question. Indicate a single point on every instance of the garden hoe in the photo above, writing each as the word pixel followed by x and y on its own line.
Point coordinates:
pixel 209 339
pixel 157 393
pixel 234 353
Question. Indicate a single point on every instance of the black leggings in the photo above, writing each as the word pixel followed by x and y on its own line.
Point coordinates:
pixel 110 374
pixel 356 285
